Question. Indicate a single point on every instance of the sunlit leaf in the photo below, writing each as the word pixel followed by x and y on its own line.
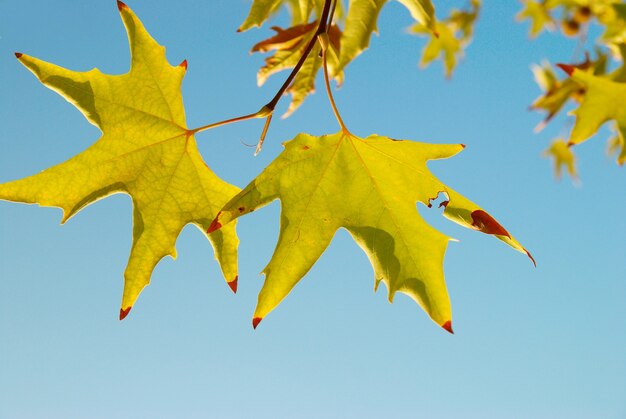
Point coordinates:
pixel 145 151
pixel 371 188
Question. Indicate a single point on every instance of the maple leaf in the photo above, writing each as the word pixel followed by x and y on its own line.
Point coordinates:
pixel 603 102
pixel 260 11
pixel 617 146
pixel 369 187
pixel 449 38
pixel 145 151
pixel 445 45
pixel 563 157
pixel 422 11
pixel 361 23
pixel 538 14
pixel 290 43
pixel 556 93
pixel 614 18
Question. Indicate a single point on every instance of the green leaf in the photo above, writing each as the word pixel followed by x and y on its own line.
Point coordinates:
pixel 369 187
pixel 360 24
pixel 422 11
pixel 259 12
pixel 145 151
pixel 290 45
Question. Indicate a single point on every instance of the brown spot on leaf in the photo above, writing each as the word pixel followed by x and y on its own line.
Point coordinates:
pixel 444 204
pixel 215 224
pixel 448 327
pixel 241 209
pixel 334 35
pixel 306 147
pixel 124 312
pixel 430 200
pixel 487 224
pixel 18 55
pixel 256 321
pixel 233 284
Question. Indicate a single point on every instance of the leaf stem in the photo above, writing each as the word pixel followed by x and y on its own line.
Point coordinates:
pixel 331 15
pixel 263 134
pixel 321 28
pixel 268 110
pixel 225 122
pixel 328 88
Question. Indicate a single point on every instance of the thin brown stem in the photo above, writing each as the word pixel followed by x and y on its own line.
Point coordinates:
pixel 268 110
pixel 225 122
pixel 321 28
pixel 271 105
pixel 263 134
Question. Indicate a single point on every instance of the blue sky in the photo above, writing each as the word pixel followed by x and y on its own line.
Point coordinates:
pixel 548 342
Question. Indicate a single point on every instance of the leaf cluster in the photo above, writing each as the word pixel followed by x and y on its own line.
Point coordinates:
pixel 369 186
pixel 595 85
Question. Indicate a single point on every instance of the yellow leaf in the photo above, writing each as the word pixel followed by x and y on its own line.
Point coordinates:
pixel 259 12
pixel 563 157
pixel 361 22
pixel 449 38
pixel 145 151
pixel 422 11
pixel 445 45
pixel 369 187
pixel 603 102
pixel 539 16
pixel 617 146
pixel 290 44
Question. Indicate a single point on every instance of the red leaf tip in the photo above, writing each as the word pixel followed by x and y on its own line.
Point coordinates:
pixel 183 64
pixel 124 312
pixel 121 6
pixel 256 321
pixel 487 224
pixel 463 145
pixel 18 55
pixel 448 327
pixel 531 257
pixel 233 284
pixel 215 224
pixel 569 69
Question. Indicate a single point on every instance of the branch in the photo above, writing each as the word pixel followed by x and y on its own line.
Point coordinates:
pixel 268 109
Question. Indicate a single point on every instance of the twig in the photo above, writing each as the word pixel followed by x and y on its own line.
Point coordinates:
pixel 268 110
